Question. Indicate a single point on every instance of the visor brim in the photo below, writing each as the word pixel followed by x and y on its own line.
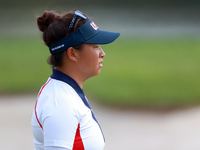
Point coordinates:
pixel 103 37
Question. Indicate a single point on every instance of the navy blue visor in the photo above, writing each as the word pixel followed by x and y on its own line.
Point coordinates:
pixel 87 33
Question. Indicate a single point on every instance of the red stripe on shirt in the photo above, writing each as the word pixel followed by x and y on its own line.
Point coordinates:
pixel 78 143
pixel 37 101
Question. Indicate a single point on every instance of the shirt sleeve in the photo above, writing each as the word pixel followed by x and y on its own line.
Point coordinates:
pixel 60 123
pixel 55 148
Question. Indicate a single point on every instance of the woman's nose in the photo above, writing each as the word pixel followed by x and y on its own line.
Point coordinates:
pixel 102 54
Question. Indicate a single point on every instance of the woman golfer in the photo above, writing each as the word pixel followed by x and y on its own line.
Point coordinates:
pixel 62 117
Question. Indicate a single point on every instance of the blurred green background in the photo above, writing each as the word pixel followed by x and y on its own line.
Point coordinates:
pixel 154 64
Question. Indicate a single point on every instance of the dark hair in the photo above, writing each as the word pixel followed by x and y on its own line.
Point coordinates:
pixel 55 27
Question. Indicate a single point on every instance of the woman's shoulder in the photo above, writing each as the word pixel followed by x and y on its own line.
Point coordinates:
pixel 59 92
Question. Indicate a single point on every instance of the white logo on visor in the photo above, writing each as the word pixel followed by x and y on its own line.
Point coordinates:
pixel 58 47
pixel 94 25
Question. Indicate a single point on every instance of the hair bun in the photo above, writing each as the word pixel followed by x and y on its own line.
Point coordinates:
pixel 46 19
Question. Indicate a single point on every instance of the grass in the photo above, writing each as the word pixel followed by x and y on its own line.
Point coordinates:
pixel 136 72
pixel 149 73
pixel 23 65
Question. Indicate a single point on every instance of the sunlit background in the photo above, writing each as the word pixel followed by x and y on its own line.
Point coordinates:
pixel 147 95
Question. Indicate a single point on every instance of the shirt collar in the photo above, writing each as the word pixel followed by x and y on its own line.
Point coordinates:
pixel 58 75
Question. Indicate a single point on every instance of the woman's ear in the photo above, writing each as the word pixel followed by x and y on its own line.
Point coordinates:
pixel 72 54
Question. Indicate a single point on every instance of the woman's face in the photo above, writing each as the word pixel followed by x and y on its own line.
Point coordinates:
pixel 90 59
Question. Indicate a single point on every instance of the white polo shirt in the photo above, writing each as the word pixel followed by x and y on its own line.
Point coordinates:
pixel 63 118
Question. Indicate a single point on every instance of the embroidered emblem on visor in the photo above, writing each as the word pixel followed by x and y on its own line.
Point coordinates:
pixel 94 25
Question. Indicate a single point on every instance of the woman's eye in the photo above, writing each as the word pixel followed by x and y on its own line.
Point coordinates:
pixel 96 46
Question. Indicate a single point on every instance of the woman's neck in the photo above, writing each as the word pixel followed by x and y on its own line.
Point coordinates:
pixel 73 74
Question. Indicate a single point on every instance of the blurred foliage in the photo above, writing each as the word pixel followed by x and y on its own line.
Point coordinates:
pixel 171 3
